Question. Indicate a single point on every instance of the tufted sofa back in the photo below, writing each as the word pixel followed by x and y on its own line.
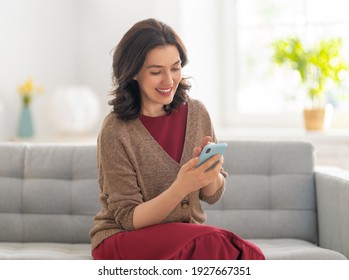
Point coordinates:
pixel 270 191
pixel 48 193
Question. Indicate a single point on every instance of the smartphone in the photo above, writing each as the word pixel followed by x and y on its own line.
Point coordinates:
pixel 209 151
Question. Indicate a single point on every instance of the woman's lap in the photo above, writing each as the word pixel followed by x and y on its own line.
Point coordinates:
pixel 177 241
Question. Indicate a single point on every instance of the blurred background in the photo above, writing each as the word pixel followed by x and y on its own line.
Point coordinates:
pixel 65 47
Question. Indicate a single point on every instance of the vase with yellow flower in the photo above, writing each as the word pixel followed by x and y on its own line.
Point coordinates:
pixel 27 92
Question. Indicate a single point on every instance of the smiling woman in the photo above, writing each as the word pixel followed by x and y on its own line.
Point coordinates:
pixel 150 185
pixel 158 79
pixel 146 53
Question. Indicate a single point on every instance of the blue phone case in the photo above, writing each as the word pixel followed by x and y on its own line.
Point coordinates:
pixel 210 150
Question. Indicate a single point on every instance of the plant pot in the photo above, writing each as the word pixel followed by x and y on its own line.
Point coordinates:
pixel 318 118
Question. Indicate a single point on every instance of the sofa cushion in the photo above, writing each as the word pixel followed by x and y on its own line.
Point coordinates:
pixel 295 249
pixel 48 192
pixel 44 251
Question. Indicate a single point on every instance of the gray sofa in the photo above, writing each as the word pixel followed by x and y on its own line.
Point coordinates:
pixel 49 195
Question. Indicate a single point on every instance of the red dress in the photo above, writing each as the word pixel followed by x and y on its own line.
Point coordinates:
pixel 175 241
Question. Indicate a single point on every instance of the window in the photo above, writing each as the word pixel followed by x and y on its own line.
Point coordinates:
pixel 263 88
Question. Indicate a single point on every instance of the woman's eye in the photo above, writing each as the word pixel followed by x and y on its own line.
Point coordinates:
pixel 155 73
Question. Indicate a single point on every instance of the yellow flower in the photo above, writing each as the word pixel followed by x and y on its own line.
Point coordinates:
pixel 27 91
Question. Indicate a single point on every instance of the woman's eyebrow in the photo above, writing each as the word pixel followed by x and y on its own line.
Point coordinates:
pixel 177 62
pixel 160 66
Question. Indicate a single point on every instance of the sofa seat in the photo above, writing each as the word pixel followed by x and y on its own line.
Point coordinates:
pixel 274 249
pixel 295 249
pixel 44 251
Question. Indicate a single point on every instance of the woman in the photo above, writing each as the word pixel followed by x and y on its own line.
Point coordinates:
pixel 148 147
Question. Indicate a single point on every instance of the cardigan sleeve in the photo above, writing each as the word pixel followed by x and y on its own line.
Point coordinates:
pixel 117 178
pixel 215 197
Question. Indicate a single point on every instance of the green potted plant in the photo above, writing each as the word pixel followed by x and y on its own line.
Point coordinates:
pixel 316 67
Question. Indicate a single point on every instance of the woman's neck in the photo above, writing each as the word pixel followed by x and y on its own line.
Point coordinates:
pixel 153 111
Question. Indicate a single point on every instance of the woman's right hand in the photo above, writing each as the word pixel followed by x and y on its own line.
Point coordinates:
pixel 191 178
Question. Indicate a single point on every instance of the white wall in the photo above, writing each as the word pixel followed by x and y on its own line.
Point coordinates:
pixel 201 33
pixel 37 40
pixel 69 42
pixel 101 26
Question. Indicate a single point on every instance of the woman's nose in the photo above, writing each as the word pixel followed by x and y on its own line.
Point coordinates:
pixel 167 79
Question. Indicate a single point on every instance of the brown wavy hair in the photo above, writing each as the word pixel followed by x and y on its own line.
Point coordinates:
pixel 128 59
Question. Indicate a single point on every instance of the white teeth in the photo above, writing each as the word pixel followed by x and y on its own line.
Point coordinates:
pixel 164 90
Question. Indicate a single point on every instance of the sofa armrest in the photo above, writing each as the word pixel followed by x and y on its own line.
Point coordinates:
pixel 332 195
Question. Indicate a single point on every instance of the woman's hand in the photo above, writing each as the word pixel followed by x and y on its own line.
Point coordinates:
pixel 205 141
pixel 191 178
pixel 213 186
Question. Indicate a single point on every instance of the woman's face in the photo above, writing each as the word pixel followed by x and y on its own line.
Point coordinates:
pixel 158 79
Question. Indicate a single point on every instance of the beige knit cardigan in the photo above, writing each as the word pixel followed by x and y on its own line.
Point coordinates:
pixel 133 168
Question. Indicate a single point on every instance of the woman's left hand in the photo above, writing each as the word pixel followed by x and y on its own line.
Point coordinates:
pixel 197 150
pixel 212 187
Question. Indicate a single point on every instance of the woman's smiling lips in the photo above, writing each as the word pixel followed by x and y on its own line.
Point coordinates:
pixel 164 91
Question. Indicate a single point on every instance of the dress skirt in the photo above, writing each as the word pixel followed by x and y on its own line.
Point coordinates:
pixel 177 241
